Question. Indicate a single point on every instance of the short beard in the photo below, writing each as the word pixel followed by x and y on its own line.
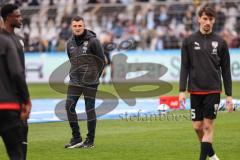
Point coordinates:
pixel 203 31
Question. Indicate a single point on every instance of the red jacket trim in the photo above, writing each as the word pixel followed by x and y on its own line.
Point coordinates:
pixel 9 106
pixel 204 93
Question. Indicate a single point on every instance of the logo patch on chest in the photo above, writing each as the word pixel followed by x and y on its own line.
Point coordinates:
pixel 72 49
pixel 197 46
pixel 84 48
pixel 214 45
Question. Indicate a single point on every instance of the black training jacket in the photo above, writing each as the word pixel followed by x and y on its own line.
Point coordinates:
pixel 86 57
pixel 19 45
pixel 204 59
pixel 13 87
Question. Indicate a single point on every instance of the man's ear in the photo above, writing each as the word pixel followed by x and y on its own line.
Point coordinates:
pixel 214 20
pixel 199 19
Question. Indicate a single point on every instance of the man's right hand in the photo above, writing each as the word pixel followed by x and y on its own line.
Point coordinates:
pixel 182 100
pixel 182 96
pixel 26 109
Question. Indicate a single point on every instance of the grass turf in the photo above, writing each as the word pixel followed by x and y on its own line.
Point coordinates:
pixel 44 90
pixel 138 139
pixel 121 139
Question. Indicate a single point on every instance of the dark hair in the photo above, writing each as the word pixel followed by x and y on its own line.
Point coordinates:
pixel 77 18
pixel 7 10
pixel 209 11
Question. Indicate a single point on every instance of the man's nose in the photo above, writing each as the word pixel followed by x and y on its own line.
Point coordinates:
pixel 21 18
pixel 207 21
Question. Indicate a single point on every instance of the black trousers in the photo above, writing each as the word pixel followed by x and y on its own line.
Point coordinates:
pixel 24 138
pixel 10 131
pixel 89 92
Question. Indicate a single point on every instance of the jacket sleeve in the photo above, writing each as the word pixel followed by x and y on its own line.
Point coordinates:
pixel 226 71
pixel 67 49
pixel 185 65
pixel 97 50
pixel 17 73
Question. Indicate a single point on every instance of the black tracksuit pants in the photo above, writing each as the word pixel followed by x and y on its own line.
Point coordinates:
pixel 10 131
pixel 89 92
pixel 24 139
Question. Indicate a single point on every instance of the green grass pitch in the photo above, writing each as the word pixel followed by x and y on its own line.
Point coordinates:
pixel 137 139
pixel 44 90
pixel 160 139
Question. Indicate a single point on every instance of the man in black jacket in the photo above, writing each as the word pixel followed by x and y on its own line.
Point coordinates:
pixel 14 97
pixel 13 19
pixel 205 57
pixel 87 62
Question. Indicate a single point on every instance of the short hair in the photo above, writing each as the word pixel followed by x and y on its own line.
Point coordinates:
pixel 7 10
pixel 209 11
pixel 77 18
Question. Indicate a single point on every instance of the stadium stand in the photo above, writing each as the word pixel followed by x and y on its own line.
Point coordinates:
pixel 152 24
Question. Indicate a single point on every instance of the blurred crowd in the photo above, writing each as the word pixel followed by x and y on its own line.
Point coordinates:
pixel 151 24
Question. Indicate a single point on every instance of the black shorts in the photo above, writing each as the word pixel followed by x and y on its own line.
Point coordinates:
pixel 204 106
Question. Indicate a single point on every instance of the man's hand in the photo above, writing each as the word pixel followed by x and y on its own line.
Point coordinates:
pixel 229 104
pixel 182 99
pixel 182 96
pixel 26 109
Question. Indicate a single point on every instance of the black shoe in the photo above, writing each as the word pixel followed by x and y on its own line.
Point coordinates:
pixel 74 143
pixel 88 143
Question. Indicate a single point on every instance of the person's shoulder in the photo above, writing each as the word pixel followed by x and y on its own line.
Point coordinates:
pixel 190 38
pixel 4 32
pixel 218 37
pixel 91 36
pixel 6 43
pixel 70 40
pixel 13 35
pixel 93 41
pixel 5 38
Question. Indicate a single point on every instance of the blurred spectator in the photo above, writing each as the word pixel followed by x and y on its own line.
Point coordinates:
pixel 65 32
pixel 52 12
pixel 34 3
pixel 93 1
pixel 142 0
pixel 235 42
pixel 18 2
pixel 118 29
pixel 227 36
pixel 188 20
pixel 163 16
pixel 170 41
pixel 237 25
pixel 51 2
pixel 143 33
pixel 157 42
pixel 150 19
pixel 220 18
pixel 177 10
pixel 36 45
pixel 140 20
pixel 151 24
pixel 106 40
pixel 130 30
